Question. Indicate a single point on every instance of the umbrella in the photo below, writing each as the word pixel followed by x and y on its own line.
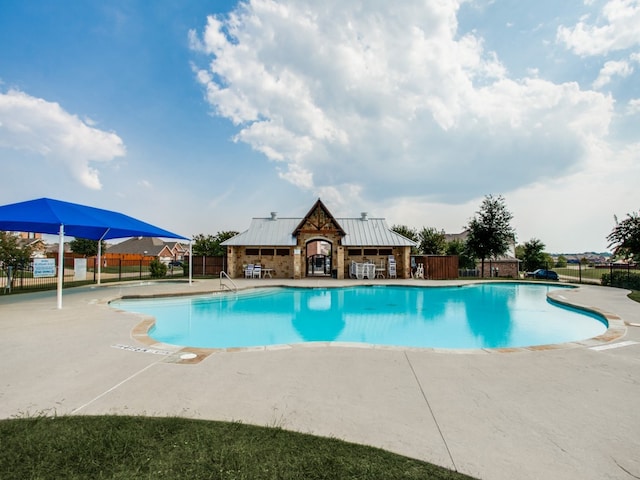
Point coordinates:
pixel 45 215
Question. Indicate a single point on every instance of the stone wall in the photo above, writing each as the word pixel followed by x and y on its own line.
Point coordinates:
pixel 294 265
pixel 282 265
pixel 402 257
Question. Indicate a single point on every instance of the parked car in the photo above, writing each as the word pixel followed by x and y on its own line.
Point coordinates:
pixel 542 273
pixel 175 263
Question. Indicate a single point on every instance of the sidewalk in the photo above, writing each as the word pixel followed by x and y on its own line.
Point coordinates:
pixel 567 413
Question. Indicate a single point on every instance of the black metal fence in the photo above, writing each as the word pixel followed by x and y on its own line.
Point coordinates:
pixel 468 272
pixel 610 274
pixel 607 274
pixel 15 281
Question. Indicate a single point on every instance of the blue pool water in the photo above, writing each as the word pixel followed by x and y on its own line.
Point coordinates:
pixel 473 316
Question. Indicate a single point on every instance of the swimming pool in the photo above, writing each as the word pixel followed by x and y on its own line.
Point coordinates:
pixel 488 315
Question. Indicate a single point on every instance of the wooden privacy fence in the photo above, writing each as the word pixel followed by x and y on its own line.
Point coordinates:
pixel 438 267
pixel 206 266
pixel 115 258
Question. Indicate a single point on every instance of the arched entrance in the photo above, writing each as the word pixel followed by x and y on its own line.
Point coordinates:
pixel 318 257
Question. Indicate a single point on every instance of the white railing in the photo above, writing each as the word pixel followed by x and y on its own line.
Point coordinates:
pixel 224 285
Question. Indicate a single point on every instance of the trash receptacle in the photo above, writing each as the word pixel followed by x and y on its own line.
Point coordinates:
pixel 334 273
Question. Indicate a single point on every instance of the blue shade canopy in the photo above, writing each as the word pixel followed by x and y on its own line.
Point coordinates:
pixel 45 215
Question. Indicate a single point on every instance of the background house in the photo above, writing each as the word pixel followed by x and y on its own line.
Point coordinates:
pixel 33 241
pixel 144 247
pixel 37 245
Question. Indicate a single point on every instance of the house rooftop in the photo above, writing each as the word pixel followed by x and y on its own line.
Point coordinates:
pixel 139 245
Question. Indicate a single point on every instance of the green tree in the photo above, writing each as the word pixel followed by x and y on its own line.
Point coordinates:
pixel 221 237
pixel 209 245
pixel 407 232
pixel 533 256
pixel 455 247
pixel 83 246
pixel 204 245
pixel 625 237
pixel 561 262
pixel 12 254
pixel 157 268
pixel 490 231
pixel 519 251
pixel 432 242
pixel 459 248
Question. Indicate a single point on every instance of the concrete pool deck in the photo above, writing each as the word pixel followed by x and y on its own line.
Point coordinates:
pixel 558 413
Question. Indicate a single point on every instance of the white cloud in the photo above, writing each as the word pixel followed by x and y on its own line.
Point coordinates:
pixel 362 103
pixel 572 212
pixel 610 69
pixel 617 30
pixel 46 129
pixel 633 107
pixel 559 212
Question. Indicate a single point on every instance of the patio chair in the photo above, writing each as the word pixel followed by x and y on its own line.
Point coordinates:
pixel 257 271
pixel 368 270
pixel 380 269
pixel 248 271
pixel 391 267
pixel 359 271
pixel 419 271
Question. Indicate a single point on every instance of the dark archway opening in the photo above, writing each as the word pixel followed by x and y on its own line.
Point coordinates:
pixel 319 258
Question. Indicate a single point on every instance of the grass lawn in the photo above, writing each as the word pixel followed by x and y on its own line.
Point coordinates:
pixel 635 295
pixel 119 447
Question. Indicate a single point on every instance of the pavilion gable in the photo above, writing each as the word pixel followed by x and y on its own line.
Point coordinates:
pixel 319 220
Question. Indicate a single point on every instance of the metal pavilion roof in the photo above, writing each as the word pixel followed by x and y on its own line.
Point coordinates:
pixel 372 232
pixel 266 231
pixel 359 231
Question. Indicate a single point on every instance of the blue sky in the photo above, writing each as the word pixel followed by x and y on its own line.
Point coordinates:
pixel 197 116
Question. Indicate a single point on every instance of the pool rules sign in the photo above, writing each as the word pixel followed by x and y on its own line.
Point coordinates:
pixel 79 269
pixel 44 267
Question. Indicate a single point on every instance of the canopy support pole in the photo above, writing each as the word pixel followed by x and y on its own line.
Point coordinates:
pixel 100 255
pixel 190 261
pixel 60 264
pixel 99 261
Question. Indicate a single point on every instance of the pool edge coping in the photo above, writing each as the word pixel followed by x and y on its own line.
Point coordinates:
pixel 616 329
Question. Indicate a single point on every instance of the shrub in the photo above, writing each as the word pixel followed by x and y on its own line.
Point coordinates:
pixel 157 268
pixel 622 279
